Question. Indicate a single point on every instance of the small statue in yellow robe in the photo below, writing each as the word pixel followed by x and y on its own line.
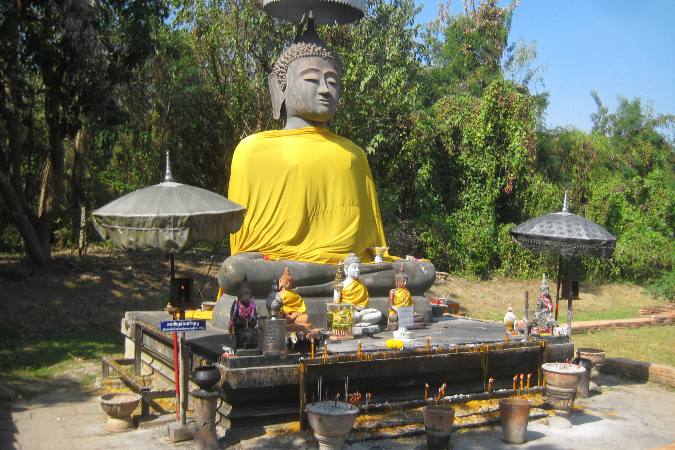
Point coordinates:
pixel 293 307
pixel 355 293
pixel 399 296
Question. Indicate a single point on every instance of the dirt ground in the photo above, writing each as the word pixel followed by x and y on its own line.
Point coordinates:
pixel 57 319
pixel 623 416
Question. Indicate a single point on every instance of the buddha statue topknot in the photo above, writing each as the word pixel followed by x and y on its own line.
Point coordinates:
pixel 309 193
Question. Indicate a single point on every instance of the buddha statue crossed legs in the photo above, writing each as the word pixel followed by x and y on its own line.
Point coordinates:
pixel 309 193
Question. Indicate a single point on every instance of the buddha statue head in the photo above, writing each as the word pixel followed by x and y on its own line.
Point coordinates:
pixel 305 83
pixel 285 280
pixel 543 288
pixel 244 294
pixel 401 278
pixel 352 266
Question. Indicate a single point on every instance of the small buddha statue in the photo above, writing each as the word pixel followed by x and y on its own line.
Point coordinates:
pixel 399 296
pixel 244 319
pixel 509 319
pixel 293 307
pixel 543 315
pixel 309 193
pixel 355 293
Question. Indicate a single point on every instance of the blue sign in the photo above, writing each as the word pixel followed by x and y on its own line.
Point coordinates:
pixel 173 326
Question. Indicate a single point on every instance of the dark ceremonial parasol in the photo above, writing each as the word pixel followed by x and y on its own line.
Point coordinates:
pixel 564 234
pixel 325 12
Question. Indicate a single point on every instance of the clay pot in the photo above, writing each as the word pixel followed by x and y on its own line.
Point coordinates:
pixel 438 420
pixel 595 355
pixel 331 422
pixel 514 413
pixel 119 407
pixel 562 375
pixel 206 376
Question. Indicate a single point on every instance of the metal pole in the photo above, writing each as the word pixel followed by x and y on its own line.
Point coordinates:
pixel 183 378
pixel 176 373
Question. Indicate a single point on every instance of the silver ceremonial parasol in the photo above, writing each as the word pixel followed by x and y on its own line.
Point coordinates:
pixel 169 216
pixel 325 11
pixel 564 234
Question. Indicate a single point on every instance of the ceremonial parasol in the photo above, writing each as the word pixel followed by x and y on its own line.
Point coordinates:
pixel 172 217
pixel 169 216
pixel 564 234
pixel 324 11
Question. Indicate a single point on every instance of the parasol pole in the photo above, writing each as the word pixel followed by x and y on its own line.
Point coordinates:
pixel 176 372
pixel 557 287
pixel 177 365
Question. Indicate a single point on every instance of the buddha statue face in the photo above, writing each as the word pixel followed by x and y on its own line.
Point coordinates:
pixel 312 91
pixel 305 85
pixel 244 295
pixel 353 270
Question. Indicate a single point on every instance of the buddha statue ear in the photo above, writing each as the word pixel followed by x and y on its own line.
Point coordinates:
pixel 277 95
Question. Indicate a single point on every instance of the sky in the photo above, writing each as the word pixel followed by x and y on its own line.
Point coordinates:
pixel 616 47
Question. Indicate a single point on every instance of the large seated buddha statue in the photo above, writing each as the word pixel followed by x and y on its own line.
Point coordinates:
pixel 309 193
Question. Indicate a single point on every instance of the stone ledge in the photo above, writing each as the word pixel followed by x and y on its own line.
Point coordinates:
pixel 594 325
pixel 640 370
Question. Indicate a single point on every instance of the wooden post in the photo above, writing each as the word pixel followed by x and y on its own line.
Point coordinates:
pixel 138 342
pixel 569 319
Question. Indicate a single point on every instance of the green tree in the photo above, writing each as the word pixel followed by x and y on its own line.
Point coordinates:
pixel 59 63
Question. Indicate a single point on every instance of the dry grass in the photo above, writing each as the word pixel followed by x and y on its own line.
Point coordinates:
pixel 652 344
pixel 489 299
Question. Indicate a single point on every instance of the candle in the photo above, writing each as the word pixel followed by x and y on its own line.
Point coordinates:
pixel 514 382
pixel 325 353
pixel 358 349
pixel 428 343
pixel 522 377
pixel 426 391
pixel 311 352
pixel 529 375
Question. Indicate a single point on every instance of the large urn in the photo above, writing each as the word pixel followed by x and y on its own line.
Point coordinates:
pixel 331 422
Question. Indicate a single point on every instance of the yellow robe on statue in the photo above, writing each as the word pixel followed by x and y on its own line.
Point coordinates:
pixel 292 303
pixel 355 294
pixel 401 298
pixel 309 195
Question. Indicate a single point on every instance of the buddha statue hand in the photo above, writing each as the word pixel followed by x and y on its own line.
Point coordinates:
pixel 316 280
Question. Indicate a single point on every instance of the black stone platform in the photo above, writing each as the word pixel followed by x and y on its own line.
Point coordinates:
pixel 464 354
